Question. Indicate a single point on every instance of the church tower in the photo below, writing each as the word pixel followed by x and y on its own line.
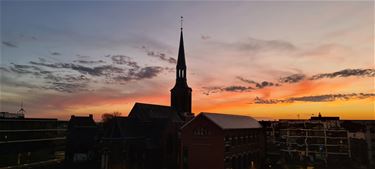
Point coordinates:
pixel 181 92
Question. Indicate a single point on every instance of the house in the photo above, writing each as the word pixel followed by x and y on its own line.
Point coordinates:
pixel 81 141
pixel 222 141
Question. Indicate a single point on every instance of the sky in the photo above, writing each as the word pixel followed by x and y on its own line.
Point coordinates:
pixel 269 60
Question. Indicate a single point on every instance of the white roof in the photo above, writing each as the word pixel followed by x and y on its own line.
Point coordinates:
pixel 228 121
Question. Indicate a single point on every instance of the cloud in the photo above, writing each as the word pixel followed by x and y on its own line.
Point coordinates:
pixel 266 84
pixel 25 69
pixel 237 88
pixel 295 78
pixel 234 88
pixel 9 44
pixel 89 61
pixel 3 69
pixel 42 59
pixel 14 82
pixel 159 55
pixel 205 37
pixel 123 60
pixel 66 78
pixel 148 72
pixel 316 98
pixel 133 72
pixel 55 53
pixel 246 80
pixel 82 56
pixel 67 87
pixel 258 100
pixel 346 73
pixel 143 73
pixel 54 81
pixel 94 71
pixel 259 85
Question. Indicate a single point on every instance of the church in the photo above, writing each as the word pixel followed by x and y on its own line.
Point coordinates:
pixel 166 137
pixel 148 137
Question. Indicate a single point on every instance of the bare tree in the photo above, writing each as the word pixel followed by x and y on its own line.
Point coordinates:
pixel 108 116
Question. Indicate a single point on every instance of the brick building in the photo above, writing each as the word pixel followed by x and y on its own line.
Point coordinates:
pixel 222 141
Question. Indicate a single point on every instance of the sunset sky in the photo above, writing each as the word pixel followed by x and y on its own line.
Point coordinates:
pixel 269 60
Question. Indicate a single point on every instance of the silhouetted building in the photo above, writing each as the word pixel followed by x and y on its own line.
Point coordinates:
pixel 31 141
pixel 324 118
pixel 222 141
pixel 314 141
pixel 362 141
pixel 148 138
pixel 82 141
pixel 319 142
pixel 11 115
pixel 181 92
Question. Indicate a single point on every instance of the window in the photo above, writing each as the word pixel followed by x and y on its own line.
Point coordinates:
pixel 201 132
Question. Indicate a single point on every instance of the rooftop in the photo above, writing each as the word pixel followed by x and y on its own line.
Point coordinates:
pixel 228 121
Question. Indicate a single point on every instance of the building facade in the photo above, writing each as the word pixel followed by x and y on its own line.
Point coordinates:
pixel 31 141
pixel 146 139
pixel 315 140
pixel 222 141
pixel 81 143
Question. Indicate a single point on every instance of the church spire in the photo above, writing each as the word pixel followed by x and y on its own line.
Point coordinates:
pixel 181 64
pixel 181 53
pixel 181 92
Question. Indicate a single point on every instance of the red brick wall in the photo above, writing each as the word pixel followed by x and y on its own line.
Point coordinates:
pixel 204 151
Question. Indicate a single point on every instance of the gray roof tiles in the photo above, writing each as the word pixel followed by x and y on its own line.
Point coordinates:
pixel 227 121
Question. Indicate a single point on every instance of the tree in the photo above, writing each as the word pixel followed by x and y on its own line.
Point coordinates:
pixel 108 116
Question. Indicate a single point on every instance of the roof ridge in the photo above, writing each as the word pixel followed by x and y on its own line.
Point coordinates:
pixel 223 114
pixel 151 104
pixel 230 121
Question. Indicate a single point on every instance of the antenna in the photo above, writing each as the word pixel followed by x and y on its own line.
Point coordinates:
pixel 181 21
pixel 21 111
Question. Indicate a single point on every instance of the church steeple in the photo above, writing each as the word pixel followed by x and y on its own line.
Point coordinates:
pixel 181 64
pixel 181 92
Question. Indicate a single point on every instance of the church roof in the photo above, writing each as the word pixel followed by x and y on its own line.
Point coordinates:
pixel 228 121
pixel 148 112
